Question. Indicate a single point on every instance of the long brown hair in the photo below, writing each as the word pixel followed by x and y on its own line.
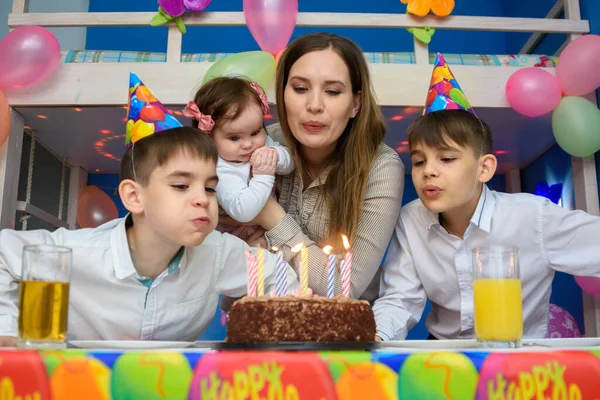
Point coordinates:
pixel 356 148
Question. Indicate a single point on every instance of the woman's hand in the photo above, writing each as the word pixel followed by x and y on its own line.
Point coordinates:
pixel 8 341
pixel 270 215
pixel 257 239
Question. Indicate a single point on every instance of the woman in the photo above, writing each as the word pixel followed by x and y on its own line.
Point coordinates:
pixel 347 181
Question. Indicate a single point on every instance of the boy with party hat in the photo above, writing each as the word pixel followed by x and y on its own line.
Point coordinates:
pixel 430 254
pixel 157 273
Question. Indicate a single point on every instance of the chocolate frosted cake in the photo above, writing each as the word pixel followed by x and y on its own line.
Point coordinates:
pixel 300 319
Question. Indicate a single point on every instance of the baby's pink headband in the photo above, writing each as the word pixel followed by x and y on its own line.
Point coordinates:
pixel 206 123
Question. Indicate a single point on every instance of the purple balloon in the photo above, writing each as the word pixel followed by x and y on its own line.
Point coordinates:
pixel 28 55
pixel 561 323
pixel 196 5
pixel 174 8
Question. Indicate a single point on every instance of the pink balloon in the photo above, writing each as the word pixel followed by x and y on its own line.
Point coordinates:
pixel 561 323
pixel 589 284
pixel 271 22
pixel 95 207
pixel 533 92
pixel 577 68
pixel 28 55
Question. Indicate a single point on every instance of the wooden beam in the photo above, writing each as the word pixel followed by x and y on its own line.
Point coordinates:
pixel 20 6
pixel 77 182
pixel 30 209
pixel 90 84
pixel 350 20
pixel 537 37
pixel 421 52
pixel 10 164
pixel 174 41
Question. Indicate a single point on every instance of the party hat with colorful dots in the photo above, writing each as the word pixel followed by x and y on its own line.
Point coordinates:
pixel 145 114
pixel 444 91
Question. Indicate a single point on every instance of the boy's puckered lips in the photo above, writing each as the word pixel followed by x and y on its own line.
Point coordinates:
pixel 432 191
pixel 201 222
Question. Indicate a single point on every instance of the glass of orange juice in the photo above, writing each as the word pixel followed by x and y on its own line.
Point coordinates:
pixel 497 300
pixel 44 297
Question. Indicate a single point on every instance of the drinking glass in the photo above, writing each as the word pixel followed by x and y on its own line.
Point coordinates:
pixel 497 300
pixel 44 296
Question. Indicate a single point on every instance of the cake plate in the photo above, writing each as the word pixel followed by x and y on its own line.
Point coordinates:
pixel 296 346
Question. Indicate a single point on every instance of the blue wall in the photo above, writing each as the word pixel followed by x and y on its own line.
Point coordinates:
pixel 236 39
pixel 555 167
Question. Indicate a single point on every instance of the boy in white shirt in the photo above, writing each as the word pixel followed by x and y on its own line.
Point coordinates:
pixel 430 254
pixel 156 274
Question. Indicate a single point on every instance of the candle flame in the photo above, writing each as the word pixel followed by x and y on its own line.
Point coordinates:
pixel 297 247
pixel 346 243
pixel 328 249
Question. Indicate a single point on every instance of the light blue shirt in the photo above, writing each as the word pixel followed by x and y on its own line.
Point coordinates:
pixel 109 300
pixel 426 262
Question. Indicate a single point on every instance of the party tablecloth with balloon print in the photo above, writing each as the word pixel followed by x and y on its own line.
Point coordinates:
pixel 378 374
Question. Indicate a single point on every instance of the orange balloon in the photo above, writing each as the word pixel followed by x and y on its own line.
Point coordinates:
pixel 94 208
pixel 4 118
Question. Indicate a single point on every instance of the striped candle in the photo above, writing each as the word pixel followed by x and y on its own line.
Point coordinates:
pixel 281 287
pixel 346 268
pixel 303 267
pixel 330 271
pixel 252 278
pixel 261 272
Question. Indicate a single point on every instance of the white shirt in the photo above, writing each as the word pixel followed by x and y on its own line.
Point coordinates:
pixel 109 300
pixel 426 262
pixel 243 198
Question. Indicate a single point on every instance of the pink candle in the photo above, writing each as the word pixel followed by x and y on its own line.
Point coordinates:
pixel 346 268
pixel 252 274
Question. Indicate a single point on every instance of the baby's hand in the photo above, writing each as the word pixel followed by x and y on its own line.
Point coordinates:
pixel 264 161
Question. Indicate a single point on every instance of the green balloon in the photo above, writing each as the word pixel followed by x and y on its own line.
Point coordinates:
pixel 576 126
pixel 258 66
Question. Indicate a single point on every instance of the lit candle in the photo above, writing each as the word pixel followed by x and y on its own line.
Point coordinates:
pixel 331 271
pixel 346 268
pixel 261 272
pixel 252 278
pixel 280 274
pixel 303 266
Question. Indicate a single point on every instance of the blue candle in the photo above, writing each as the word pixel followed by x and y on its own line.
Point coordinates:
pixel 281 287
pixel 330 272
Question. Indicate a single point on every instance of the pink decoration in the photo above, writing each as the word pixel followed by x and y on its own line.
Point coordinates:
pixel 589 284
pixel 28 55
pixel 205 122
pixel 271 22
pixel 346 272
pixel 94 208
pixel 533 92
pixel 263 99
pixel 252 274
pixel 561 323
pixel 577 68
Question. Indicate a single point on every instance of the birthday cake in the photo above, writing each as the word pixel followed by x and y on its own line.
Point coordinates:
pixel 300 319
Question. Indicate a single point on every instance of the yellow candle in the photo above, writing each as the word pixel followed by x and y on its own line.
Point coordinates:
pixel 303 266
pixel 261 272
